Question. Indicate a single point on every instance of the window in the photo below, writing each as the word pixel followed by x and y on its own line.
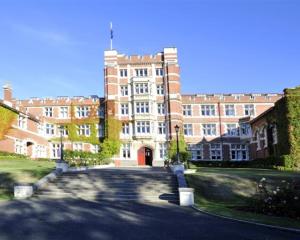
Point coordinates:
pixel 263 138
pixel 83 111
pixel 63 130
pixel 208 110
pixel 188 129
pixel 160 89
pixel 142 107
pixel 209 129
pixel 40 129
pixel 143 127
pixel 249 110
pixel 124 109
pixel 161 128
pixel 143 72
pixel 215 151
pixel 63 113
pixel 84 130
pixel 55 150
pixel 161 108
pixel 126 150
pixel 100 130
pixel 274 134
pixel 77 147
pixel 239 152
pixel 22 122
pixel 48 111
pixel 196 151
pixel 162 150
pixel 245 129
pixel 256 140
pixel 141 88
pixel 49 129
pixel 232 130
pixel 95 148
pixel 123 72
pixel 229 110
pixel 124 90
pixel 125 128
pixel 40 151
pixel 187 110
pixel 20 147
pixel 159 72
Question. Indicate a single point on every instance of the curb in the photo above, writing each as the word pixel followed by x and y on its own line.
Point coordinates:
pixel 45 180
pixel 249 222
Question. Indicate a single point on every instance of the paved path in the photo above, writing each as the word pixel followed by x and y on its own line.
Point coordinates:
pixel 75 218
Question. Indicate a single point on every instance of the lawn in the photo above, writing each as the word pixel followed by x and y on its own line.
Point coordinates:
pixel 222 190
pixel 21 170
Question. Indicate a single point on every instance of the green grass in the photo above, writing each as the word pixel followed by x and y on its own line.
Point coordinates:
pixel 221 190
pixel 14 170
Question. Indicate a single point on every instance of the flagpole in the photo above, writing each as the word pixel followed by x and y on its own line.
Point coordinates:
pixel 111 36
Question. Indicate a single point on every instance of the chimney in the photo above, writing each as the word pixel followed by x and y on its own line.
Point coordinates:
pixel 7 93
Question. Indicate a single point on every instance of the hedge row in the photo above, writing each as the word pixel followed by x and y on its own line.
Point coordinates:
pixel 269 163
pixel 83 158
pixel 11 155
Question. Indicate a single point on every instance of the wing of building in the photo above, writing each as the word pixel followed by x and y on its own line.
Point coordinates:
pixel 143 92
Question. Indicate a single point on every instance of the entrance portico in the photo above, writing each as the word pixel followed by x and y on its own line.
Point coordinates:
pixel 145 156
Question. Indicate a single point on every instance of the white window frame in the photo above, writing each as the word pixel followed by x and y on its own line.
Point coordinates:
pixel 238 150
pixel 197 152
pixel 215 148
pixel 159 72
pixel 209 129
pixel 125 128
pixel 22 121
pixel 161 129
pixel 232 130
pixel 160 89
pixel 84 130
pixel 161 108
pixel 162 150
pixel 126 147
pixel 229 110
pixel 82 111
pixel 142 107
pixel 187 110
pixel 141 88
pixel 124 90
pixel 63 112
pixel 49 129
pixel 124 109
pixel 208 110
pixel 141 72
pixel 123 72
pixel 188 129
pixel 143 127
pixel 249 110
pixel 48 111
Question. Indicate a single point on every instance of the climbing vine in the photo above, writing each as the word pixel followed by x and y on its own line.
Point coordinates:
pixel 286 115
pixel 6 120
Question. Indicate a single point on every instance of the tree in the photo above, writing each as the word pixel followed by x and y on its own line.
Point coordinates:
pixel 184 154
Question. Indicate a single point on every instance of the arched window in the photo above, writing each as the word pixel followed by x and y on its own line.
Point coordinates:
pixel 263 137
pixel 274 134
pixel 256 140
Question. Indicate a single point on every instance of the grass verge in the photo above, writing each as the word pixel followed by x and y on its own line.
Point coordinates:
pixel 222 190
pixel 21 170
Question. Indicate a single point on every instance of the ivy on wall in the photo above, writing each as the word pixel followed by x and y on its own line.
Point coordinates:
pixel 286 115
pixel 6 120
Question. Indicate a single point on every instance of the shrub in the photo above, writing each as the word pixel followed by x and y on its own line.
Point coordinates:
pixel 11 155
pixel 269 163
pixel 282 200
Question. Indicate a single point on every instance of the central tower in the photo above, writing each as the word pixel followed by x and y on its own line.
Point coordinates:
pixel 143 92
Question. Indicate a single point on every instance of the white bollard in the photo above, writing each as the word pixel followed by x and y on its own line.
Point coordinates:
pixel 186 196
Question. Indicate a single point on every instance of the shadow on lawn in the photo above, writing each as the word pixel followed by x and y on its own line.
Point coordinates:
pixel 6 185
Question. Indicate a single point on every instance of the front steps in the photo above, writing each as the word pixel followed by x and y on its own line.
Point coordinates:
pixel 134 184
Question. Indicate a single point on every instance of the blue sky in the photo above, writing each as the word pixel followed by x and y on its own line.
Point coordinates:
pixel 55 47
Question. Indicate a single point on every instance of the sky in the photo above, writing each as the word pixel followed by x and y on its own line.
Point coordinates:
pixel 55 47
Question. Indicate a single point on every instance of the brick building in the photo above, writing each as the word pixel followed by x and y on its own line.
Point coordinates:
pixel 143 92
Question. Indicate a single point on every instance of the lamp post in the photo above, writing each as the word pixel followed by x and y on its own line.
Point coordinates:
pixel 61 128
pixel 177 152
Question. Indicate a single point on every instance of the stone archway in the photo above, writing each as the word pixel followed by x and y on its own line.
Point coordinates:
pixel 145 156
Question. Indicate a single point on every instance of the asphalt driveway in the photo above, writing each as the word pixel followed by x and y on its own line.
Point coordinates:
pixel 81 219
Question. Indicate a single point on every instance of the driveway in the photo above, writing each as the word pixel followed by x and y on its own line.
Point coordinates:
pixel 80 219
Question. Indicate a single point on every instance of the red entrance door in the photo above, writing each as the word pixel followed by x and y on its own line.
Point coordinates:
pixel 141 156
